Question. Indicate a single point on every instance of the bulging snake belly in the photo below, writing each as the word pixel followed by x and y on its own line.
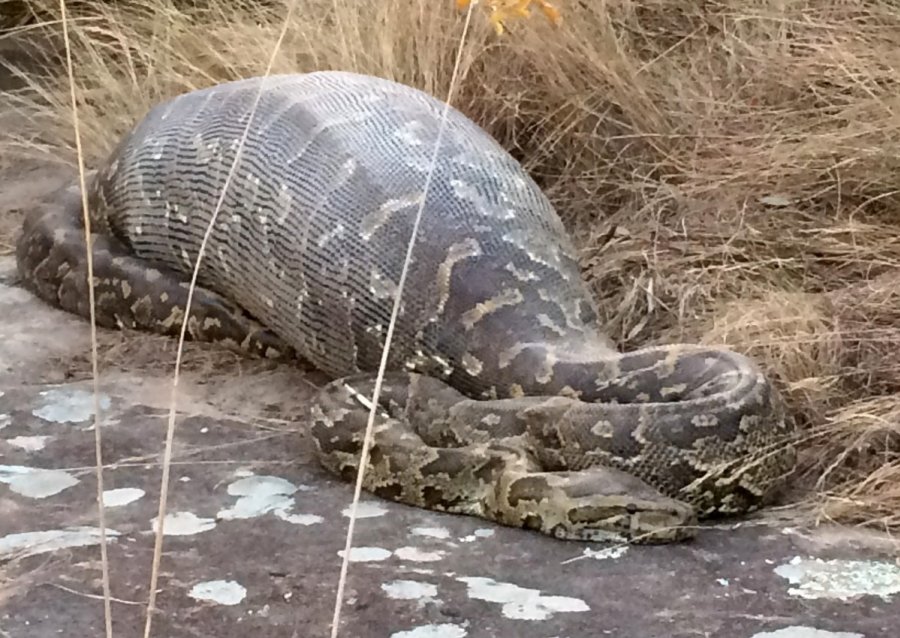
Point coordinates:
pixel 504 399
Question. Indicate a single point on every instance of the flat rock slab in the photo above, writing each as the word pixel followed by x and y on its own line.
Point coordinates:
pixel 255 528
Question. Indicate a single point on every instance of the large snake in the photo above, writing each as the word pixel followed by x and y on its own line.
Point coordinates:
pixel 504 399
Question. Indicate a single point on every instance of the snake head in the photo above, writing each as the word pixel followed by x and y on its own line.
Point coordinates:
pixel 596 504
pixel 625 518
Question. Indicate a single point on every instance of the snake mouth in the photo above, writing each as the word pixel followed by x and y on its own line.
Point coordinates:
pixel 630 520
pixel 650 527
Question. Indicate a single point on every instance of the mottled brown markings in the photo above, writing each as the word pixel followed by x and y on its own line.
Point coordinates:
pixel 531 489
pixel 603 428
pixel 536 250
pixel 505 357
pixel 506 297
pixel 381 286
pixel 516 391
pixel 673 391
pixel 373 221
pixel 467 192
pixel 436 365
pixel 705 421
pixel 472 364
pixel 457 252
pixel 408 133
pixel 544 374
pixel 186 259
pixel 544 320
pixel 520 274
pixel 336 232
pixel 570 392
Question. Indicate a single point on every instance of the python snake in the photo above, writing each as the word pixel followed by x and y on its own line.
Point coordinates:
pixel 504 398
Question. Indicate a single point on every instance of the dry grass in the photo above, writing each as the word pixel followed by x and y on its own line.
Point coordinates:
pixel 730 169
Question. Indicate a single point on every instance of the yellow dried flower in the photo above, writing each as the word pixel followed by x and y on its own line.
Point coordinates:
pixel 503 10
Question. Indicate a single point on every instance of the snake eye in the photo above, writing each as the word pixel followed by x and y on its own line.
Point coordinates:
pixel 631 508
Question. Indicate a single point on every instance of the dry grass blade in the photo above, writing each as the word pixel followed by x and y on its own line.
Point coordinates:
pixel 98 443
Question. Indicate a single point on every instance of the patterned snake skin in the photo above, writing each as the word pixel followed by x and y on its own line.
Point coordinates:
pixel 504 399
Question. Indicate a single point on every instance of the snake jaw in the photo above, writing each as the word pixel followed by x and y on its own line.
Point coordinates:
pixel 639 521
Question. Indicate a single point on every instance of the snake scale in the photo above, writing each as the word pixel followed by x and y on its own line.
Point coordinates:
pixel 503 400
